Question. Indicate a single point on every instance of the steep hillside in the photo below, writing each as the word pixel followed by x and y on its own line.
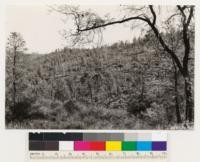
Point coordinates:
pixel 123 86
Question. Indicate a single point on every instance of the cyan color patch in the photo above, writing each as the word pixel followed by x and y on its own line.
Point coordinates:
pixel 144 146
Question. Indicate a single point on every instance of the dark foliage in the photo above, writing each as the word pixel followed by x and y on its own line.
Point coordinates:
pixel 137 106
pixel 21 110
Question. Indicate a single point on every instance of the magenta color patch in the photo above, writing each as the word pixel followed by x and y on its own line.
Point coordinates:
pixel 81 146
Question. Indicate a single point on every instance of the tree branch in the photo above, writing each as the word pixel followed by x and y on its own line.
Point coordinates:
pixel 112 23
pixel 153 27
pixel 190 15
pixel 181 9
pixel 165 46
pixel 172 16
pixel 186 39
pixel 153 13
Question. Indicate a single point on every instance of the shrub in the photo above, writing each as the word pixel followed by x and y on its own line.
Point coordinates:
pixel 40 109
pixel 71 106
pixel 56 104
pixel 39 112
pixel 8 116
pixel 21 110
pixel 136 106
pixel 46 109
pixel 156 115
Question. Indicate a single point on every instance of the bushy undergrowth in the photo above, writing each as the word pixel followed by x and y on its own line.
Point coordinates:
pixel 79 115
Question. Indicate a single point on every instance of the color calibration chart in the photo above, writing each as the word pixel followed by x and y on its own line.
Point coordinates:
pixel 97 147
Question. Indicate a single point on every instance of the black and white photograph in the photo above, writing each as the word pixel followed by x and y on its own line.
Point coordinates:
pixel 108 67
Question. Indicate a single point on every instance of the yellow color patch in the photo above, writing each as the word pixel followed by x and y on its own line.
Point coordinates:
pixel 113 146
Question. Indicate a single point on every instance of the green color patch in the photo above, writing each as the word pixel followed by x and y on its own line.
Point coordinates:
pixel 129 146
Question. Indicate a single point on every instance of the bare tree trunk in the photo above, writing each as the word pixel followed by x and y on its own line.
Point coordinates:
pixel 14 79
pixel 178 115
pixel 189 101
pixel 186 40
pixel 90 91
pixel 143 89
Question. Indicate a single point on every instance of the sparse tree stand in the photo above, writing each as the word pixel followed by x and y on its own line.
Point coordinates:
pixel 88 23
pixel 15 45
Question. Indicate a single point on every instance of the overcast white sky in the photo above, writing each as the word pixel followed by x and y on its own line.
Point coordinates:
pixel 40 28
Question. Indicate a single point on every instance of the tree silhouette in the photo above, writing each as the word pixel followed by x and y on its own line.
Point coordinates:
pixel 15 45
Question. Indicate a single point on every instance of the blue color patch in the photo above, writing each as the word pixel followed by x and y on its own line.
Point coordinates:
pixel 144 146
